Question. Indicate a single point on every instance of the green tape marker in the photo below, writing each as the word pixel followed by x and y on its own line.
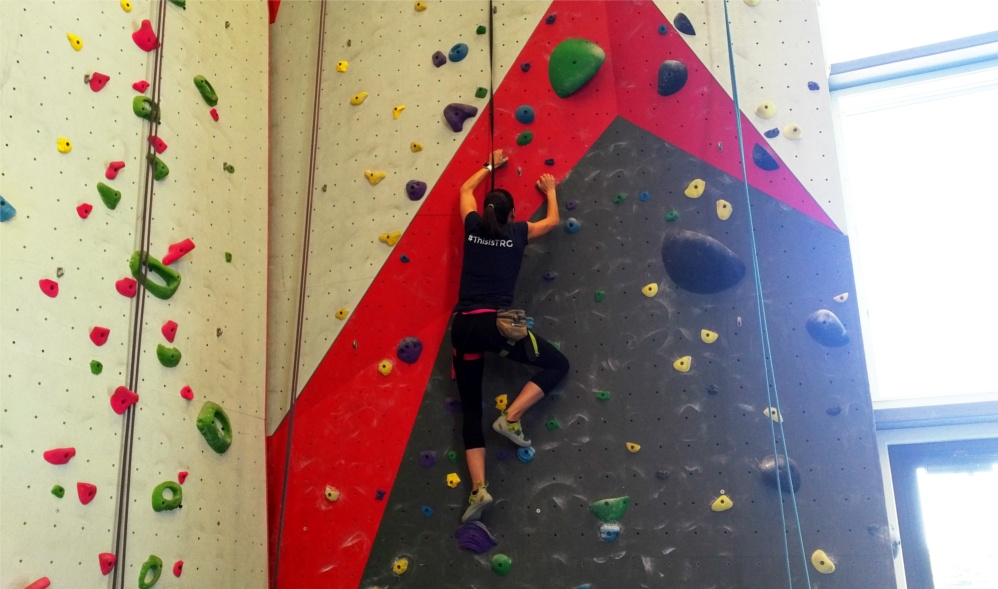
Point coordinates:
pixel 214 425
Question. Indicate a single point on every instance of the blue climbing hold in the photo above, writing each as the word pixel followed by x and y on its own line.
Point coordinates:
pixel 427 510
pixel 772 133
pixel 550 19
pixel 549 162
pixel 530 322
pixel 525 114
pixel 672 76
pixel 663 29
pixel 683 24
pixel 525 67
pixel 526 455
pixel 698 263
pixel 609 532
pixel 762 159
pixel 644 196
pixel 458 52
pixel 7 210
pixel 572 225
pixel 404 258
pixel 813 86
pixel 826 329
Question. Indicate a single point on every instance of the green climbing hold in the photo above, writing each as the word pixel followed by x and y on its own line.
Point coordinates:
pixel 159 500
pixel 171 277
pixel 525 138
pixel 481 30
pixel 58 491
pixel 600 294
pixel 573 63
pixel 481 92
pixel 214 425
pixel 168 357
pixel 671 216
pixel 230 168
pixel 610 510
pixel 96 367
pixel 180 3
pixel 452 455
pixel 110 196
pixel 552 424
pixel 207 92
pixel 501 564
pixel 144 108
pixel 556 345
pixel 228 257
pixel 160 170
pixel 603 395
pixel 153 565
pixel 619 198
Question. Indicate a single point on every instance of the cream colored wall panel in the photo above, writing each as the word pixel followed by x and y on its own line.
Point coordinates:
pixel 775 62
pixel 514 22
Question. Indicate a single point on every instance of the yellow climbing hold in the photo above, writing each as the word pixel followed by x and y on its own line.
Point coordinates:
pixel 792 131
pixel 695 189
pixel 773 414
pixel 683 364
pixel 420 6
pixel 766 110
pixel 332 494
pixel 398 110
pixel 390 238
pixel 126 5
pixel 373 176
pixel 385 367
pixel 708 336
pixel 723 209
pixel 64 145
pixel 752 2
pixel 453 480
pixel 650 290
pixel 501 402
pixel 342 313
pixel 358 98
pixel 822 563
pixel 341 66
pixel 841 298
pixel 722 503
pixel 414 147
pixel 75 41
pixel 632 447
pixel 400 566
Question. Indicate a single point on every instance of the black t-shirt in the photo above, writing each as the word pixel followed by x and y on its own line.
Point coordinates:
pixel 490 266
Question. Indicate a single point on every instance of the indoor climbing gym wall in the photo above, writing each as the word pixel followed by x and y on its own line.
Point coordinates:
pixel 133 272
pixel 715 429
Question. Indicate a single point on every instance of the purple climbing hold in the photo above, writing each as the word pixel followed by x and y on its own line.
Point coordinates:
pixel 427 458
pixel 813 86
pixel 772 133
pixel 439 58
pixel 452 404
pixel 550 19
pixel 570 205
pixel 549 162
pixel 379 495
pixel 415 189
pixel 475 536
pixel 762 159
pixel 409 349
pixel 525 67
pixel 549 276
pixel 456 114
pixel 502 455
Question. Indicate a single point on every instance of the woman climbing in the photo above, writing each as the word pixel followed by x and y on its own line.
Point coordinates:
pixel 493 251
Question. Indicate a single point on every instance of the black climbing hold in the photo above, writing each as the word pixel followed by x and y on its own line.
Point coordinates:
pixel 525 67
pixel 550 19
pixel 415 189
pixel 683 24
pixel 787 477
pixel 826 329
pixel 409 349
pixel 379 495
pixel 549 276
pixel 452 404
pixel 502 455
pixel 712 389
pixel 833 411
pixel 456 114
pixel 699 263
pixel 672 77
pixel 762 159
pixel 772 133
pixel 570 205
pixel 458 52
pixel 404 258
pixel 549 162
pixel 813 86
pixel 439 58
pixel 662 475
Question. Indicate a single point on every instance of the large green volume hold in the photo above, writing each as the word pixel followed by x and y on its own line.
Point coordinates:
pixel 610 510
pixel 171 277
pixel 573 63
pixel 214 425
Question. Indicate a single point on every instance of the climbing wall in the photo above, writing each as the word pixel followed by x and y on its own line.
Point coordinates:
pixel 359 496
pixel 213 195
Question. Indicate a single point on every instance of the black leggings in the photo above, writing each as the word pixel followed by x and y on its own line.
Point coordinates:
pixel 473 334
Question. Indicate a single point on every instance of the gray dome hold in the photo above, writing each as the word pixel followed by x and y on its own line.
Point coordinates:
pixel 826 329
pixel 699 263
pixel 787 478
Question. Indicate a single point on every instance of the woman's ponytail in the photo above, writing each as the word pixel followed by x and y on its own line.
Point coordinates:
pixel 498 205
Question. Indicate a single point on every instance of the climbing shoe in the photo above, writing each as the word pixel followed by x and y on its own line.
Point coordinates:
pixel 477 503
pixel 512 431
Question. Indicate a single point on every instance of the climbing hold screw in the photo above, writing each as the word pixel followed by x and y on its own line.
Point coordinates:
pixel 723 209
pixel 722 503
pixel 603 395
pixel 453 480
pixel 341 66
pixel 159 500
pixel 374 176
pixel 765 110
pixel 708 336
pixel 695 189
pixel 633 448
pixel 74 41
pixel 501 564
pixel 96 367
pixel 64 145
pixel 683 364
pixel 400 566
pixel 59 491
pixel 650 290
pixel 385 367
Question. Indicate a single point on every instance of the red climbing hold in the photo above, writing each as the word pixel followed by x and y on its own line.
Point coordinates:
pixel 272 7
pixel 142 85
pixel 122 399
pixel 169 330
pixel 107 561
pixel 86 491
pixel 98 335
pixel 84 210
pixel 59 455
pixel 98 80
pixel 49 287
pixel 214 113
pixel 187 392
pixel 126 287
pixel 158 143
pixel 177 250
pixel 178 568
pixel 145 37
pixel 182 476
pixel 42 583
pixel 112 170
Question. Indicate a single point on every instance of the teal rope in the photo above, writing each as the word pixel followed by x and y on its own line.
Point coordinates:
pixel 772 395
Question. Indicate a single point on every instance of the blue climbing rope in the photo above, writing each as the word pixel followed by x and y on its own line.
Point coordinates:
pixel 772 394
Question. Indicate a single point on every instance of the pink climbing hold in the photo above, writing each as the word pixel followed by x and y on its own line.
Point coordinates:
pixel 98 80
pixel 158 143
pixel 42 583
pixel 145 37
pixel 86 491
pixel 177 250
pixel 187 392
pixel 178 568
pixel 182 476
pixel 126 287
pixel 142 85
pixel 122 399
pixel 49 287
pixel 98 335
pixel 59 455
pixel 169 330
pixel 84 210
pixel 112 170
pixel 107 561
pixel 214 113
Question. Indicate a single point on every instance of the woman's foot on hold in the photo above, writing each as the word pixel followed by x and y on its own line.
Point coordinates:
pixel 478 501
pixel 510 430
